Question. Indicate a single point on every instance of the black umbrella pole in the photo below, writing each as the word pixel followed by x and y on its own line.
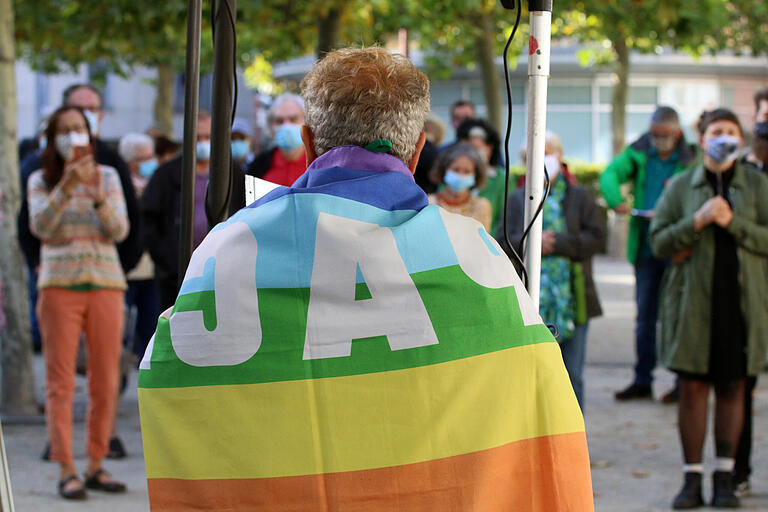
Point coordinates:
pixel 188 158
pixel 221 171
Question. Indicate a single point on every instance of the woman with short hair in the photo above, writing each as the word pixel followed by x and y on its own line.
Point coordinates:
pixel 712 221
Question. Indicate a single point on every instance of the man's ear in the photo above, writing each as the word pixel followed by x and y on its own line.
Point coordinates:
pixel 309 143
pixel 417 152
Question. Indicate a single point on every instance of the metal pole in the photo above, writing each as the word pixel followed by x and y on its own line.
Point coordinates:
pixel 221 170
pixel 189 155
pixel 6 495
pixel 538 74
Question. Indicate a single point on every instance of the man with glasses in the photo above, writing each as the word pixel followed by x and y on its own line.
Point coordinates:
pixel 647 163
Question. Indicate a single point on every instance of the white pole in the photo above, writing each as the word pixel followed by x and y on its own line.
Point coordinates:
pixel 538 74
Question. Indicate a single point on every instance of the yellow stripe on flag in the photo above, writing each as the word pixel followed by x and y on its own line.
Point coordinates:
pixel 358 422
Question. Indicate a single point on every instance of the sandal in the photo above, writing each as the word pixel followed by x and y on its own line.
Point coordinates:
pixel 77 493
pixel 93 482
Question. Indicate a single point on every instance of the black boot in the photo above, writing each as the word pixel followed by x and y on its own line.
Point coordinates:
pixel 690 495
pixel 722 490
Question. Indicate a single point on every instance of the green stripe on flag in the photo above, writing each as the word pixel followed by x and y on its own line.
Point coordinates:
pixel 468 319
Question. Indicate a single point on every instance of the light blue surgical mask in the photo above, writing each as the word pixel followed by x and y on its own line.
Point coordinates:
pixel 239 149
pixel 458 182
pixel 93 121
pixel 148 167
pixel 288 136
pixel 723 148
pixel 203 150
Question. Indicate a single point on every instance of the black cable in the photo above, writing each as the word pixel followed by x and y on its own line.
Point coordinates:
pixel 512 250
pixel 516 253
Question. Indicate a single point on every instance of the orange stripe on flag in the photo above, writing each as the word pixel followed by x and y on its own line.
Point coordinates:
pixel 548 473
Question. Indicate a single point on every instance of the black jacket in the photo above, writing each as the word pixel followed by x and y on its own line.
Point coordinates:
pixel 129 249
pixel 261 163
pixel 585 237
pixel 161 207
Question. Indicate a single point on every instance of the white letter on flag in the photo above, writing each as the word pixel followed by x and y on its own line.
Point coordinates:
pixel 486 268
pixel 334 317
pixel 237 336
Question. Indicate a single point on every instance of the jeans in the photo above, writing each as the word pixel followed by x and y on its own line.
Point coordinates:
pixel 32 291
pixel 144 296
pixel 574 349
pixel 648 274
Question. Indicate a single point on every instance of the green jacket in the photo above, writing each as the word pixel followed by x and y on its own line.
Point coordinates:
pixel 686 290
pixel 630 166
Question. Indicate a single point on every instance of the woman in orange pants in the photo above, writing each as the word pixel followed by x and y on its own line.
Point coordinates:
pixel 78 212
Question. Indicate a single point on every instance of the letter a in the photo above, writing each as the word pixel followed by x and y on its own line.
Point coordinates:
pixel 335 318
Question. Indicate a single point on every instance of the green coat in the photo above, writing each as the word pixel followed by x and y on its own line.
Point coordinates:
pixel 630 166
pixel 686 293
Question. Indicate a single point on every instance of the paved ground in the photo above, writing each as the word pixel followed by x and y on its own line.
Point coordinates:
pixel 634 447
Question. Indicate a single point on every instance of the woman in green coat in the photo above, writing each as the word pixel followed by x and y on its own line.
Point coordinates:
pixel 712 222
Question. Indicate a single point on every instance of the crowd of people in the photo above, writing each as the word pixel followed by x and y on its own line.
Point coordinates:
pixel 100 232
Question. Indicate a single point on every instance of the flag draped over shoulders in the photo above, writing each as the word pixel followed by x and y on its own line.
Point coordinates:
pixel 340 345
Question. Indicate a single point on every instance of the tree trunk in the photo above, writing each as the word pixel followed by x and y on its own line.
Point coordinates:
pixel 619 101
pixel 487 59
pixel 18 390
pixel 328 28
pixel 164 100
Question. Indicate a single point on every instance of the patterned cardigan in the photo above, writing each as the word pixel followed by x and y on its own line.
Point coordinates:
pixel 78 239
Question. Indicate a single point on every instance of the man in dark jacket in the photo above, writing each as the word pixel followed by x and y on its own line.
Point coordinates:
pixel 88 98
pixel 161 206
pixel 647 163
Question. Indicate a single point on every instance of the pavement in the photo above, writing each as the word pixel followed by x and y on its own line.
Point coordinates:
pixel 634 447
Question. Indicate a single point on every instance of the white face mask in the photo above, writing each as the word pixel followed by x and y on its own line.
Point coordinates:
pixel 66 142
pixel 553 166
pixel 93 121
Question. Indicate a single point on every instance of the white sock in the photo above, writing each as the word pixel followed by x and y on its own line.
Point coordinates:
pixel 693 468
pixel 725 464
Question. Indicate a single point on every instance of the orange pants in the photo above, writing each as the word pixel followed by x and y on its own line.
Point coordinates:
pixel 63 315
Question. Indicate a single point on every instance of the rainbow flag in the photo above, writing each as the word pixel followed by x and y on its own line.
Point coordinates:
pixel 340 345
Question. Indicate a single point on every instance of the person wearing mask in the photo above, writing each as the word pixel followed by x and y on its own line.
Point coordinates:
pixel 369 350
pixel 757 158
pixel 138 151
pixel 77 210
pixel 712 223
pixel 286 161
pixel 648 163
pixel 87 98
pixel 483 137
pixel 161 205
pixel 573 232
pixel 241 143
pixel 461 168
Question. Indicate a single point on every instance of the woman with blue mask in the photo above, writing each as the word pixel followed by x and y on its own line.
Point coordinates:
pixel 461 169
pixel 712 222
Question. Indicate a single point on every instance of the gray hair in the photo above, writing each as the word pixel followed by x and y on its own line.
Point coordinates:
pixel 451 153
pixel 285 97
pixel 355 96
pixel 131 142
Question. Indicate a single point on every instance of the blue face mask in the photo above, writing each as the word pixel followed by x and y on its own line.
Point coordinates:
pixel 761 129
pixel 203 150
pixel 458 182
pixel 239 149
pixel 288 136
pixel 723 149
pixel 147 169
